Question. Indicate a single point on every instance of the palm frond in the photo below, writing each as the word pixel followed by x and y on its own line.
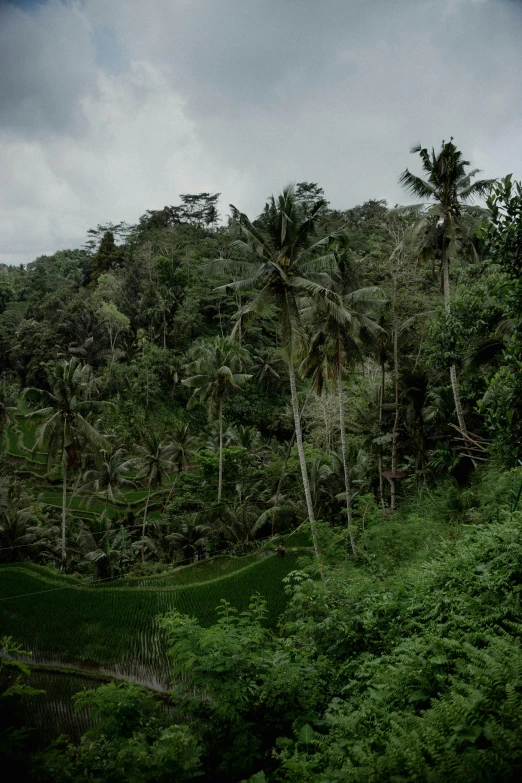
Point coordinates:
pixel 416 185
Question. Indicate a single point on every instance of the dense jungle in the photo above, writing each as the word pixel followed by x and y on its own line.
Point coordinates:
pixel 260 513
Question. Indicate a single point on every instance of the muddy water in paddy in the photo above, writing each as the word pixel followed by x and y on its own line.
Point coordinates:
pixel 52 713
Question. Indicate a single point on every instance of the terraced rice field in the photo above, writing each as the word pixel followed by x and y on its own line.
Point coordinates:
pixel 32 465
pixel 113 628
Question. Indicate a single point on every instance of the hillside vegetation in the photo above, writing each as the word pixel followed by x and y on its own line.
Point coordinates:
pixel 179 395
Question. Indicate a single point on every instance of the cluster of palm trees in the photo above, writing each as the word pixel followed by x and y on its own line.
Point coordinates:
pixel 286 269
pixel 67 418
pixel 298 277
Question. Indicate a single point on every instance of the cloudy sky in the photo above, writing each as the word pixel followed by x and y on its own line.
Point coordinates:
pixel 112 107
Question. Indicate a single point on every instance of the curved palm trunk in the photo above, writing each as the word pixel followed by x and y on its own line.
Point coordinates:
pixel 64 493
pixel 168 498
pixel 381 403
pixel 453 370
pixel 64 502
pixel 302 460
pixel 283 471
pixel 280 482
pixel 396 422
pixel 145 524
pixel 220 474
pixel 347 480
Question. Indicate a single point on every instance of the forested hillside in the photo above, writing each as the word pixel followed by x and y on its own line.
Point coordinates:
pixel 200 390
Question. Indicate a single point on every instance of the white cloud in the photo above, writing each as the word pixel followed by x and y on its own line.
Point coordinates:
pixel 137 150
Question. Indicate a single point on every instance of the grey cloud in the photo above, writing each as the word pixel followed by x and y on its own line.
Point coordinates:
pixel 126 104
pixel 261 77
pixel 46 68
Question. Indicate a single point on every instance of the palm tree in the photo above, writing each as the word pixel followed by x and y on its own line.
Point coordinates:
pixel 214 375
pixel 184 447
pixel 281 258
pixel 108 477
pixel 343 327
pixel 239 522
pixel 321 474
pixel 266 367
pixel 448 224
pixel 190 536
pixel 63 427
pixel 247 437
pixel 103 542
pixel 155 464
pixel 16 519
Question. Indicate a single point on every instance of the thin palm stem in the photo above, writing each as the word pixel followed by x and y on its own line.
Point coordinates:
pixel 302 462
pixel 346 469
pixel 145 523
pixel 64 492
pixel 220 473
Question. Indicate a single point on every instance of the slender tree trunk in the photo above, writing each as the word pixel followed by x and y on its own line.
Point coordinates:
pixel 396 422
pixel 168 497
pixel 64 499
pixel 145 524
pixel 280 482
pixel 283 471
pixel 347 480
pixel 453 370
pixel 381 403
pixel 302 460
pixel 324 402
pixel 220 474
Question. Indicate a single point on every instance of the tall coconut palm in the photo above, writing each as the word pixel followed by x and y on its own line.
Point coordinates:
pixel 109 478
pixel 155 464
pixel 213 376
pixel 64 430
pixel 280 257
pixel 184 447
pixel 447 224
pixel 343 324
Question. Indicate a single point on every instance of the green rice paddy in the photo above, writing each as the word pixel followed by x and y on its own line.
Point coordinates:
pixel 113 627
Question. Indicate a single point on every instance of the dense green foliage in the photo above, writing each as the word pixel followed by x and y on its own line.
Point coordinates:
pixel 179 391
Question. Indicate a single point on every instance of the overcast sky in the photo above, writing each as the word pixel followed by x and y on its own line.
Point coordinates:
pixel 112 107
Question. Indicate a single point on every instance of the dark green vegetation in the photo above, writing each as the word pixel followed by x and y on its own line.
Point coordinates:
pixel 179 392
